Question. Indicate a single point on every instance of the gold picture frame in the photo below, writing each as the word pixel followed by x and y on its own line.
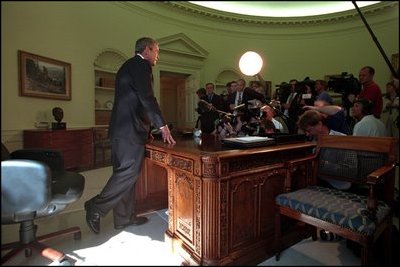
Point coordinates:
pixel 44 77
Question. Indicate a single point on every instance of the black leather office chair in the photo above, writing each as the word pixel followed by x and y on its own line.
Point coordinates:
pixel 34 185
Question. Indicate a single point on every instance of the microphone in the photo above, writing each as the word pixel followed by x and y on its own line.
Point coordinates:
pixel 255 103
pixel 203 102
pixel 239 106
pixel 274 102
pixel 270 106
pixel 205 106
pixel 224 113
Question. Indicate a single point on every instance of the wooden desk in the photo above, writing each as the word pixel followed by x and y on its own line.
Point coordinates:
pixel 220 200
pixel 76 144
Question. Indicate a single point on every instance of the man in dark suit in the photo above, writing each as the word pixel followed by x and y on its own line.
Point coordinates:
pixel 243 95
pixel 135 108
pixel 211 114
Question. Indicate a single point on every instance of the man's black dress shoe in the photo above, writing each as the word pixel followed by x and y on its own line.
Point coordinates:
pixel 92 218
pixel 137 221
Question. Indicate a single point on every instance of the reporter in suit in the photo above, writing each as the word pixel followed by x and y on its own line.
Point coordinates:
pixel 210 114
pixel 242 95
pixel 135 108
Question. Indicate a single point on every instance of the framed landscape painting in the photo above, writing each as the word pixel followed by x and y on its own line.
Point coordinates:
pixel 44 77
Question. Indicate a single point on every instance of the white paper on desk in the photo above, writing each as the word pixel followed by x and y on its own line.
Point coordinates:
pixel 248 139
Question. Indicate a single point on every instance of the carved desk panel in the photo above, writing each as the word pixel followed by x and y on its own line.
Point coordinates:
pixel 221 200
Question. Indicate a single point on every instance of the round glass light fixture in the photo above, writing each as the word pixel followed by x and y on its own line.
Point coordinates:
pixel 250 63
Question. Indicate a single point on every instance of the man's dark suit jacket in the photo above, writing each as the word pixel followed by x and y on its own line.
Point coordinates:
pixel 248 94
pixel 135 106
pixel 208 117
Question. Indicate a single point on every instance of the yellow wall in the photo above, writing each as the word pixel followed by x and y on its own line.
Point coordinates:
pixel 76 32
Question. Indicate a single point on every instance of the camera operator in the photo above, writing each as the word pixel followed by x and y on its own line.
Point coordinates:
pixel 201 94
pixel 309 95
pixel 320 88
pixel 210 104
pixel 228 126
pixel 248 118
pixel 242 95
pixel 231 89
pixel 267 118
pixel 370 90
pixel 349 87
pixel 298 102
pixel 281 93
pixel 287 96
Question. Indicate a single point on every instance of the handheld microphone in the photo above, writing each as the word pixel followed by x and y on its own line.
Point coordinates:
pixel 220 112
pixel 239 106
pixel 203 102
pixel 270 106
pixel 255 103
pixel 205 106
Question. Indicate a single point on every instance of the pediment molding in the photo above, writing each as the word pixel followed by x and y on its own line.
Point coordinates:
pixel 180 43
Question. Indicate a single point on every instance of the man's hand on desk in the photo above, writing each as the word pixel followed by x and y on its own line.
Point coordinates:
pixel 166 135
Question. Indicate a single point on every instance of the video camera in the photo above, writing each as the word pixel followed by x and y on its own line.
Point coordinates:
pixel 226 118
pixel 344 84
pixel 249 113
pixel 251 117
pixel 283 89
pixel 301 85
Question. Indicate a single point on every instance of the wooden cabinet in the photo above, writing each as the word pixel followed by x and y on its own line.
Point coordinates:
pixel 101 147
pixel 102 117
pixel 75 144
pixel 104 95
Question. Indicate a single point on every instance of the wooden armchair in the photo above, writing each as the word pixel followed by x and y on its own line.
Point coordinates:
pixel 369 164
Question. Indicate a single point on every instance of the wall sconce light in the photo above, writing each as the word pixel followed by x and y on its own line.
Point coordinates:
pixel 250 63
